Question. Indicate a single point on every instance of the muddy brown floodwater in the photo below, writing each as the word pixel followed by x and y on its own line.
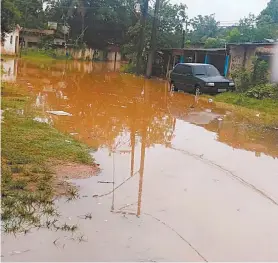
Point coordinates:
pixel 181 179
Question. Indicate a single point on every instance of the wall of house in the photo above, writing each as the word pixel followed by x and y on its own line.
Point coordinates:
pixel 10 46
pixel 31 40
pixel 111 56
pixel 236 58
pixel 242 56
pixel 81 54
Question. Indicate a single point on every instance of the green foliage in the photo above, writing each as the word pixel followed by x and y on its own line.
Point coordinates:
pixel 128 68
pixel 43 54
pixel 270 13
pixel 10 16
pixel 245 78
pixel 242 79
pixel 32 14
pixel 263 91
pixel 268 106
pixel 260 73
pixel 203 27
pixel 234 36
pixel 214 42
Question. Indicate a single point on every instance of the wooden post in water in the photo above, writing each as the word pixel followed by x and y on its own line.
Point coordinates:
pixel 168 66
pixel 115 60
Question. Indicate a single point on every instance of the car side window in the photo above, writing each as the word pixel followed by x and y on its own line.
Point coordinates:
pixel 178 69
pixel 187 70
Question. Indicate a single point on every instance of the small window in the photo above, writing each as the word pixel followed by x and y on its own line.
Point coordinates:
pixel 187 70
pixel 11 40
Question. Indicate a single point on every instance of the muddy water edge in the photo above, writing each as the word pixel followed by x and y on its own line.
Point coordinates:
pixel 181 179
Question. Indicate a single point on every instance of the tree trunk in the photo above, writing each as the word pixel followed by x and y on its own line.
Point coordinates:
pixel 144 12
pixel 153 41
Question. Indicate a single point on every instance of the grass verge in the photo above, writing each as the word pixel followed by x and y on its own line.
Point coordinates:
pixel 37 55
pixel 249 107
pixel 27 149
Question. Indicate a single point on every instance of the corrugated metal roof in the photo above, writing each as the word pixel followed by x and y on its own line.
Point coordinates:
pixel 251 44
pixel 194 49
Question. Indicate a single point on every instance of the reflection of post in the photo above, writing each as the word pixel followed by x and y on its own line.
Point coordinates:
pixel 141 170
pixel 168 67
pixel 115 60
pixel 132 141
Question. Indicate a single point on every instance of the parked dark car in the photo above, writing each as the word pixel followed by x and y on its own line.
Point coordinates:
pixel 199 78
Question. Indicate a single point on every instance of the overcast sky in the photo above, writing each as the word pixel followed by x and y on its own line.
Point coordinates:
pixel 225 10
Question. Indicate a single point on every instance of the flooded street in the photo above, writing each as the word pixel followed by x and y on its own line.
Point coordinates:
pixel 180 179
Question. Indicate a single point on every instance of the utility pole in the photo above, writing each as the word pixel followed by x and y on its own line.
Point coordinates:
pixel 153 40
pixel 144 12
pixel 184 31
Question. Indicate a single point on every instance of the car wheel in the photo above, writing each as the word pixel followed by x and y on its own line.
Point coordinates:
pixel 173 87
pixel 197 90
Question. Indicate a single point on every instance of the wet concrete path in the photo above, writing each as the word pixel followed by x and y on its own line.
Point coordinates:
pixel 181 179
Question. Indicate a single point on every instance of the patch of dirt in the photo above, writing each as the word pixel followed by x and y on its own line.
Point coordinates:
pixel 66 171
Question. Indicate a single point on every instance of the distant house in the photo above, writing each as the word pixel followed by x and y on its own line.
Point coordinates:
pixel 10 45
pixel 113 53
pixel 32 37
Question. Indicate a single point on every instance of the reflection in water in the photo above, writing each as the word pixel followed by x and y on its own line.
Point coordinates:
pixel 120 111
pixel 9 70
pixel 188 169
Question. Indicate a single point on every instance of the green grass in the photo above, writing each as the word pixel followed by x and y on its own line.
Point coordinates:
pixel 39 55
pixel 27 149
pixel 265 105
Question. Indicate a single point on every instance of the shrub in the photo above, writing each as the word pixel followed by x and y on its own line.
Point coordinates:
pixel 260 73
pixel 263 91
pixel 128 68
pixel 246 79
pixel 242 79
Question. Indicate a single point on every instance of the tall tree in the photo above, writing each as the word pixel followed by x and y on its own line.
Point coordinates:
pixel 270 12
pixel 32 13
pixel 203 27
pixel 10 16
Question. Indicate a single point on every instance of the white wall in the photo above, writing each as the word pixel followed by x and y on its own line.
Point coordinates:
pixel 111 56
pixel 9 47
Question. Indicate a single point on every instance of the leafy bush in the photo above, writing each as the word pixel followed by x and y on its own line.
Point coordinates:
pixel 242 79
pixel 246 79
pixel 263 91
pixel 260 73
pixel 128 68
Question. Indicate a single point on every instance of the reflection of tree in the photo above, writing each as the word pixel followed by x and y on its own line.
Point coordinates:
pixel 104 104
pixel 245 136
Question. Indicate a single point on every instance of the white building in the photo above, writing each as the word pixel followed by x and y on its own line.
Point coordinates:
pixel 10 46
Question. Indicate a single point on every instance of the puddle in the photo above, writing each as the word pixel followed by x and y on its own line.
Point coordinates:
pixel 180 179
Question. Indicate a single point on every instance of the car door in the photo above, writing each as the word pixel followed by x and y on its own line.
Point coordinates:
pixel 176 76
pixel 188 78
pixel 182 77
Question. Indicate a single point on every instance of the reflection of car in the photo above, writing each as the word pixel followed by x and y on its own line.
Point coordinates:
pixel 199 78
